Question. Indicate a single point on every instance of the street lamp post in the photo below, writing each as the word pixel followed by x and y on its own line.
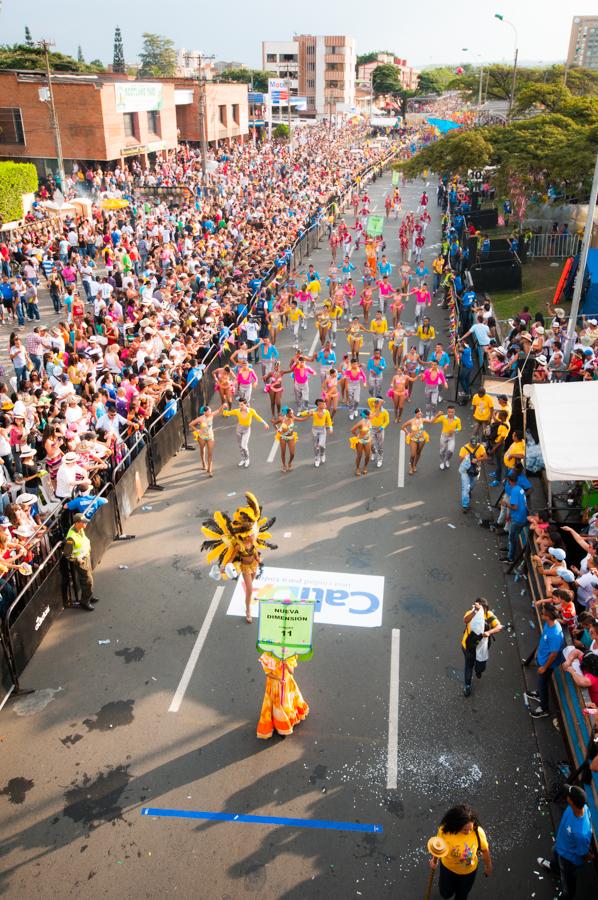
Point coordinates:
pixel 501 18
pixel 468 50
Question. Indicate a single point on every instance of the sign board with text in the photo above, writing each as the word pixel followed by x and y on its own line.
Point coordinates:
pixel 339 598
pixel 285 628
pixel 137 96
pixel 375 225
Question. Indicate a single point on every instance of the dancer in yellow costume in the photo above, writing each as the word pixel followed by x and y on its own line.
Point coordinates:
pixel 283 706
pixel 238 542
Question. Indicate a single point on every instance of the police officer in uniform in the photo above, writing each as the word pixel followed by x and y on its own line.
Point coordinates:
pixel 77 549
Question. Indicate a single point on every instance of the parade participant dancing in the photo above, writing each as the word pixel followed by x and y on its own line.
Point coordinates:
pixel 203 433
pixel 417 438
pixel 244 415
pixel 238 542
pixel 286 435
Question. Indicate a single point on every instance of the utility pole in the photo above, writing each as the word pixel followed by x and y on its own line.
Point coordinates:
pixel 583 260
pixel 501 18
pixel 45 46
pixel 202 116
pixel 290 127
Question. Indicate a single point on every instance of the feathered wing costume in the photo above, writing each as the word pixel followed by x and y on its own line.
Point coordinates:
pixel 238 540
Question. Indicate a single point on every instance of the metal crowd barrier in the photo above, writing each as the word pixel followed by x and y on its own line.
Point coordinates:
pixel 40 598
pixel 572 700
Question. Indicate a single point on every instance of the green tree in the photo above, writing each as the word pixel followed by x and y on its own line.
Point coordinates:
pixel 118 53
pixel 20 56
pixel 554 149
pixel 80 57
pixel 16 179
pixel 281 131
pixel 257 77
pixel 428 83
pixel 364 58
pixel 28 38
pixel 158 57
pixel 498 80
pixel 385 80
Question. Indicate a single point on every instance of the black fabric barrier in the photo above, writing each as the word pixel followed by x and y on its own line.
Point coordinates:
pixel 167 442
pixel 133 484
pixel 29 628
pixel 102 530
pixel 6 682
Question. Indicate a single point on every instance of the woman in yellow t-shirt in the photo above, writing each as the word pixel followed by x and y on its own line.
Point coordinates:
pixel 465 839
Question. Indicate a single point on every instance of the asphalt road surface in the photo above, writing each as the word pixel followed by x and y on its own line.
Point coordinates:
pixel 99 739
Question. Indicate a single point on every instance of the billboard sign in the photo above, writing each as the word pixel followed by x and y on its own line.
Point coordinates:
pixel 137 96
pixel 278 90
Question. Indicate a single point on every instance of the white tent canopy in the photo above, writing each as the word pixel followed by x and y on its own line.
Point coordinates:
pixel 567 420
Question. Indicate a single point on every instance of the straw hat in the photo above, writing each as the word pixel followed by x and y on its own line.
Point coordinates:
pixel 438 847
pixel 559 312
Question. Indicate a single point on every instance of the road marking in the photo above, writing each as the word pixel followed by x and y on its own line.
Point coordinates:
pixel 260 820
pixel 272 452
pixel 313 343
pixel 393 713
pixel 401 482
pixel 197 648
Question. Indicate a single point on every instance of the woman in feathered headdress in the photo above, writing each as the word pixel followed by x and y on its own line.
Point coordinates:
pixel 235 544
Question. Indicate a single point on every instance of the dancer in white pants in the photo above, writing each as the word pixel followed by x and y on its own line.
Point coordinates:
pixel 244 415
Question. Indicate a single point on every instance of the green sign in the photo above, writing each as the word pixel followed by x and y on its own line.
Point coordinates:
pixel 375 225
pixel 396 177
pixel 285 628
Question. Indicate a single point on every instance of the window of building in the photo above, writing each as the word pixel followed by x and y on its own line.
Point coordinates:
pixel 11 126
pixel 311 67
pixel 236 114
pixel 271 57
pixel 222 114
pixel 153 121
pixel 311 83
pixel 130 124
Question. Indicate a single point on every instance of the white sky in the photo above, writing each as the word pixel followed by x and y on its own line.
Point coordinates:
pixel 426 32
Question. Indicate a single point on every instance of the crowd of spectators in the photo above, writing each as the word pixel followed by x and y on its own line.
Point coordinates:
pixel 145 292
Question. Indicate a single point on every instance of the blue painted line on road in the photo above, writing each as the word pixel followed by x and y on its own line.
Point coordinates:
pixel 261 820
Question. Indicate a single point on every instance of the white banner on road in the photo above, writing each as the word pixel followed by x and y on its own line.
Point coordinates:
pixel 341 598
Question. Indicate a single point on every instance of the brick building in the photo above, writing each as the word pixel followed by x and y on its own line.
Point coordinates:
pixel 227 111
pixel 107 118
pixel 406 74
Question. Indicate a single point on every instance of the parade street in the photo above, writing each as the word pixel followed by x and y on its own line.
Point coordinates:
pixel 153 700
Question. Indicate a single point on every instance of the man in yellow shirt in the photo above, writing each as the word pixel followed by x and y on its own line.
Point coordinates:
pixel 295 316
pixel 244 415
pixel 499 431
pixel 450 425
pixel 471 456
pixel 379 420
pixel 516 452
pixel 321 426
pixel 378 328
pixel 501 404
pixel 336 312
pixel 482 411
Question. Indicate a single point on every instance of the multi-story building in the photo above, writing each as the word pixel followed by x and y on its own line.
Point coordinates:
pixel 107 118
pixel 281 58
pixel 321 68
pixel 406 74
pixel 583 43
pixel 327 72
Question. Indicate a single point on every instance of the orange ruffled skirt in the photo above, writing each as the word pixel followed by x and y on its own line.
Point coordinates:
pixel 283 706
